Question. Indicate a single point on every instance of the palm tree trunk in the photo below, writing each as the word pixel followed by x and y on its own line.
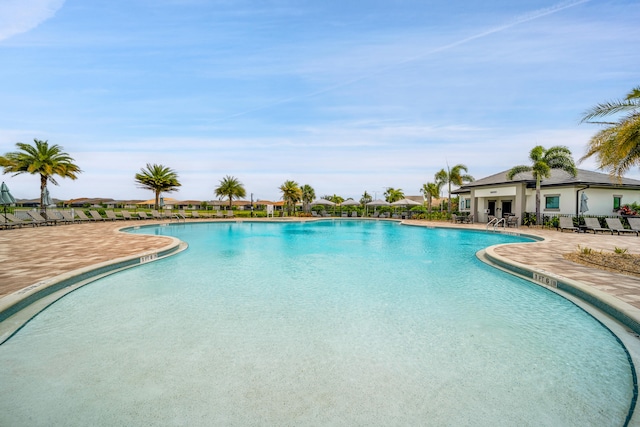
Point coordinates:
pixel 43 186
pixel 157 205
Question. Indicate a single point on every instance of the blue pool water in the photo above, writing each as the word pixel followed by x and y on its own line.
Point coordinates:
pixel 333 322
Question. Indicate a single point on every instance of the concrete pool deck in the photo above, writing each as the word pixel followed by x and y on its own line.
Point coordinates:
pixel 31 255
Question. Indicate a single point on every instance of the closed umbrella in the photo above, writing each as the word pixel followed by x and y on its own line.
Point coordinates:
pixel 46 200
pixel 583 203
pixel 6 198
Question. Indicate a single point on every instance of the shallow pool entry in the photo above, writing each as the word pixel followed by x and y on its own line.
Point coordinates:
pixel 333 322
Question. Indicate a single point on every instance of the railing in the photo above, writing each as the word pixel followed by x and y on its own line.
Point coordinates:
pixel 496 223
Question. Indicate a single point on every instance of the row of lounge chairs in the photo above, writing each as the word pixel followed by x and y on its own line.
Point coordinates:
pixel 55 217
pixel 592 224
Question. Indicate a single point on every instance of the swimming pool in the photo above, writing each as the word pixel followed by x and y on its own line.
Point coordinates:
pixel 332 322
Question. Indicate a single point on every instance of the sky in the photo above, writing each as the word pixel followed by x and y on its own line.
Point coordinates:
pixel 346 96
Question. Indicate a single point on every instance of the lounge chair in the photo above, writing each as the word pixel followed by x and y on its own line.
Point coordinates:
pixel 83 216
pixel 469 220
pixel 634 223
pixel 112 215
pixel 67 218
pixel 95 215
pixel 219 214
pixel 13 221
pixel 143 215
pixel 615 225
pixel 155 214
pixel 566 223
pixel 229 214
pixel 196 215
pixel 61 217
pixel 354 214
pixel 314 214
pixel 344 215
pixel 127 215
pixel 593 224
pixel 40 219
pixel 512 221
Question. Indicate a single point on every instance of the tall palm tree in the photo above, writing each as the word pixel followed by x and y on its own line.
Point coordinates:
pixel 453 176
pixel 431 190
pixel 543 161
pixel 308 195
pixel 617 147
pixel 366 198
pixel 42 159
pixel 231 188
pixel 159 179
pixel 291 194
pixel 393 195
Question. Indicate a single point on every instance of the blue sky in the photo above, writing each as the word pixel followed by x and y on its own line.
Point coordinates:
pixel 329 93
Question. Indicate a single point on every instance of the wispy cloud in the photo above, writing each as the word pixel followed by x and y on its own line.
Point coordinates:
pixel 20 16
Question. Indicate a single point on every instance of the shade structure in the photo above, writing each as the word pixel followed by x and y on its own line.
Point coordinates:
pixel 350 202
pixel 406 202
pixel 583 203
pixel 323 202
pixel 379 203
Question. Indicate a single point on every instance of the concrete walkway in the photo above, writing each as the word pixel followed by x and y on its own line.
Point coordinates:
pixel 30 255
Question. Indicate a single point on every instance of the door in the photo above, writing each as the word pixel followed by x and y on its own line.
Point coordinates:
pixel 492 207
pixel 506 207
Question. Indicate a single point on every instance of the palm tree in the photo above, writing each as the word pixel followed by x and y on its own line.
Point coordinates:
pixel 230 188
pixel 291 194
pixel 393 195
pixel 543 161
pixel 617 147
pixel 42 159
pixel 159 179
pixel 366 198
pixel 431 190
pixel 308 195
pixel 452 176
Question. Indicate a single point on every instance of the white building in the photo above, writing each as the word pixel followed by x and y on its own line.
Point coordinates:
pixel 561 194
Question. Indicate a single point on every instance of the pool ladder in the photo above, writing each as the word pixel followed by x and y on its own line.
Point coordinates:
pixel 496 223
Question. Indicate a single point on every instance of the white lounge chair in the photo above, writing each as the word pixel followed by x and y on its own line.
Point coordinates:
pixel 96 216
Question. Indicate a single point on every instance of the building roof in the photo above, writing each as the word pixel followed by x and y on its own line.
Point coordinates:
pixel 558 178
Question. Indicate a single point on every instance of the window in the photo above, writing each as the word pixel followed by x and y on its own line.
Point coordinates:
pixel 552 202
pixel 617 202
pixel 467 203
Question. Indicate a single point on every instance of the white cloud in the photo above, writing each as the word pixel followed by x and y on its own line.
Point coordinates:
pixel 20 16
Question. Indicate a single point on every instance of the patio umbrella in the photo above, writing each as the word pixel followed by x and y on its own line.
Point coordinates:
pixel 6 198
pixel 406 202
pixel 379 203
pixel 583 203
pixel 350 202
pixel 323 202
